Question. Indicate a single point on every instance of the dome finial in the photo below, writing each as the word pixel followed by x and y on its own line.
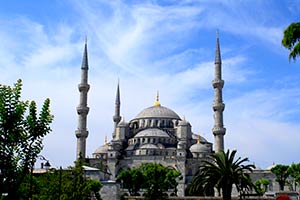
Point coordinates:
pixel 105 141
pixel 198 139
pixel 157 99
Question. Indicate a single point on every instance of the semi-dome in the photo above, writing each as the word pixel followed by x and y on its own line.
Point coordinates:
pixel 196 137
pixel 200 148
pixel 157 112
pixel 184 123
pixel 102 149
pixel 152 132
pixel 149 146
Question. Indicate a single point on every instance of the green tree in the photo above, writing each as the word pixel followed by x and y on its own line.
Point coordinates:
pixel 157 180
pixel 79 187
pixel 261 185
pixel 222 171
pixel 291 40
pixel 294 172
pixel 62 185
pixel 195 188
pixel 281 173
pixel 154 178
pixel 44 186
pixel 132 180
pixel 21 134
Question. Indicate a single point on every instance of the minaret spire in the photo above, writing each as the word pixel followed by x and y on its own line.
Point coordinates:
pixel 117 117
pixel 218 105
pixel 218 52
pixel 82 108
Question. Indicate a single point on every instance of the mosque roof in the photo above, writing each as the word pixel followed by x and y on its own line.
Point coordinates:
pixel 195 137
pixel 157 112
pixel 200 148
pixel 271 166
pixel 102 149
pixel 149 146
pixel 152 132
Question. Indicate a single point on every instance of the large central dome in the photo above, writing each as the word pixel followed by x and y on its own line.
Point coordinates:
pixel 157 112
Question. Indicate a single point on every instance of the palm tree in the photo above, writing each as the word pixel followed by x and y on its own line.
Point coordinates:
pixel 291 40
pixel 221 172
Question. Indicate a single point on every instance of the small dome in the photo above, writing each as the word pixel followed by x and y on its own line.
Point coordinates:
pixel 160 146
pixel 122 123
pixel 271 166
pixel 102 149
pixel 200 148
pixel 153 132
pixel 149 146
pixel 196 137
pixel 257 168
pixel 157 112
pixel 183 123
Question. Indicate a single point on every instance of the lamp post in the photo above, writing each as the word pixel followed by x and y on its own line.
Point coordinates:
pixel 47 165
pixel 60 174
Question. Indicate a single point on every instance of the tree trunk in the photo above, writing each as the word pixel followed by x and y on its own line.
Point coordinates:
pixel 281 185
pixel 226 192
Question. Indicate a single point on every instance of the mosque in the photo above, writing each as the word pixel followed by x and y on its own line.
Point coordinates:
pixel 157 134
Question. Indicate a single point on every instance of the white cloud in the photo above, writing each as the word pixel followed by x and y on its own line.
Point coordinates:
pixel 258 125
pixel 150 47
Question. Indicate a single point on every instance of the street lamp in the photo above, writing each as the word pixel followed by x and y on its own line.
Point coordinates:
pixel 47 166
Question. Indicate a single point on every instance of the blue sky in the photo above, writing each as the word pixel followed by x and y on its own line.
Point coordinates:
pixel 158 45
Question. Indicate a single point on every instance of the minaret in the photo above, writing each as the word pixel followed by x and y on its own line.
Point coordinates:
pixel 83 109
pixel 218 105
pixel 117 117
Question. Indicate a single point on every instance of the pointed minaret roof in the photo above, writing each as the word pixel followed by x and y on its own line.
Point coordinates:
pixel 105 141
pixel 118 102
pixel 218 53
pixel 85 64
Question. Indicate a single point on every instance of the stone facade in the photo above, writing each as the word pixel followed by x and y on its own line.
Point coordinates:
pixel 110 190
pixel 157 134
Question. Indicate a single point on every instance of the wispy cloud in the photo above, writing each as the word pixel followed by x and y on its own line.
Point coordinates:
pixel 156 46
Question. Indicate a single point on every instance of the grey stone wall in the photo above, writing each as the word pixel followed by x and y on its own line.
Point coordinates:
pixel 110 191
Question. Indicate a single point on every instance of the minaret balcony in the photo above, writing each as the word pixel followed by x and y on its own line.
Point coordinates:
pixel 83 87
pixel 82 110
pixel 218 106
pixel 217 83
pixel 117 118
pixel 219 130
pixel 81 133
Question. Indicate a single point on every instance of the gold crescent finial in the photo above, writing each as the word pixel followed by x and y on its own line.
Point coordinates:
pixel 157 100
pixel 198 139
pixel 105 140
